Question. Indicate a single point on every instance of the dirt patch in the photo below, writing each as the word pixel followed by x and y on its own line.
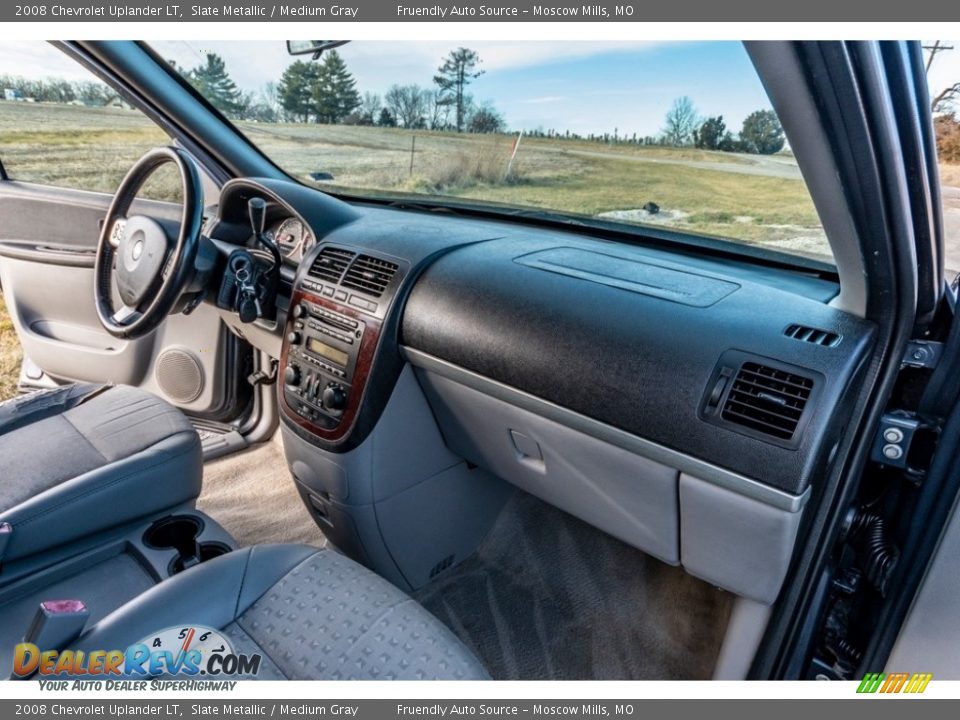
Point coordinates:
pixel 663 217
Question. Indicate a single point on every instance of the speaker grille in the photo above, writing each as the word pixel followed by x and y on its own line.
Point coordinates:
pixel 179 375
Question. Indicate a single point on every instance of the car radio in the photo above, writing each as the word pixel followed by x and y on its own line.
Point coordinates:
pixel 323 347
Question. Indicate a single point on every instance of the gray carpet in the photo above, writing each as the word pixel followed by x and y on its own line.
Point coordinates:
pixel 550 597
pixel 251 493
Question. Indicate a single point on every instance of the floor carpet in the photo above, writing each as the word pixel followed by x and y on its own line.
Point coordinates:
pixel 253 496
pixel 550 597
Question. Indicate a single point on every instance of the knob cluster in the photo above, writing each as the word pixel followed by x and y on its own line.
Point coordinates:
pixel 333 396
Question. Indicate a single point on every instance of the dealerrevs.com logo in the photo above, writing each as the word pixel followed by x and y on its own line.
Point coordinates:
pixel 190 651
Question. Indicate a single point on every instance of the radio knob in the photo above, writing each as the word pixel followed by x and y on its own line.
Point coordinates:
pixel 334 397
pixel 299 310
pixel 291 376
pixel 293 338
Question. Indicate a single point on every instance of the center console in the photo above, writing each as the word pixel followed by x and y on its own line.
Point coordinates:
pixel 337 312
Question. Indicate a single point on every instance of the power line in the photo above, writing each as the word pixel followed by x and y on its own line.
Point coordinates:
pixel 937 47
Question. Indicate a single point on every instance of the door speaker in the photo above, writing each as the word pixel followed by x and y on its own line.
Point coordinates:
pixel 180 375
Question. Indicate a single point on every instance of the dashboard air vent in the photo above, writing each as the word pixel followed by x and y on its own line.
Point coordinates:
pixel 330 264
pixel 812 335
pixel 370 275
pixel 766 400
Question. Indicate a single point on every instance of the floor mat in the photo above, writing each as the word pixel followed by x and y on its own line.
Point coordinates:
pixel 550 597
pixel 253 496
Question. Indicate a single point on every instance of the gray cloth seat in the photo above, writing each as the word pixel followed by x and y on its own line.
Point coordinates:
pixel 310 614
pixel 83 458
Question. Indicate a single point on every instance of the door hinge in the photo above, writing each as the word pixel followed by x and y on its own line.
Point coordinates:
pixel 895 437
pixel 922 354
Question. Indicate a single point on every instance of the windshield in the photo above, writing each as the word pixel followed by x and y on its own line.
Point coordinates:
pixel 678 135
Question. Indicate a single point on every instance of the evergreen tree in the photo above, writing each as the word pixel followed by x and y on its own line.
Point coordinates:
pixel 295 91
pixel 711 133
pixel 386 118
pixel 214 82
pixel 334 92
pixel 762 133
pixel 458 70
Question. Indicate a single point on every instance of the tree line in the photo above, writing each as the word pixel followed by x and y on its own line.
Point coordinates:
pixel 54 90
pixel 761 132
pixel 325 91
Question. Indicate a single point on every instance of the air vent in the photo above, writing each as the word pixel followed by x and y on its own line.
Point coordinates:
pixel 766 400
pixel 370 275
pixel 812 335
pixel 330 264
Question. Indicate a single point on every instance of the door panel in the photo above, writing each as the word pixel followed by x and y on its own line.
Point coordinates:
pixel 47 243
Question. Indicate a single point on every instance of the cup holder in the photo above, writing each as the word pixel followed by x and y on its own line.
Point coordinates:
pixel 207 551
pixel 181 533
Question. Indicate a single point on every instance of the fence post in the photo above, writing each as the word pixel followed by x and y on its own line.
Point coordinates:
pixel 413 147
pixel 513 154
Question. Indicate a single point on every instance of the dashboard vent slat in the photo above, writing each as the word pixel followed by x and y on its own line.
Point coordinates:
pixel 767 400
pixel 370 275
pixel 330 264
pixel 812 335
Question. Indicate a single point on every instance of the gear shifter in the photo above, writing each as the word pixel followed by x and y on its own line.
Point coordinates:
pixel 257 209
pixel 258 214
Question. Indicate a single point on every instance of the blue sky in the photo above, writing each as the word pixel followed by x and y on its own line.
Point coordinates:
pixel 583 86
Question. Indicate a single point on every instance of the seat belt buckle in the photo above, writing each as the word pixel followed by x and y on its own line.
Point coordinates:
pixel 57 623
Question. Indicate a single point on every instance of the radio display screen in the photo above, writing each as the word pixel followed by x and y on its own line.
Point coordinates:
pixel 330 353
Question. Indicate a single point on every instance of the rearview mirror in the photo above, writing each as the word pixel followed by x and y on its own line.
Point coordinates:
pixel 312 47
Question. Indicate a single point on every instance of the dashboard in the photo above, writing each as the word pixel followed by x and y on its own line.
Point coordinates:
pixel 686 403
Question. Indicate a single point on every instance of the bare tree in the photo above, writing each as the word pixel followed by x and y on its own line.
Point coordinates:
pixel 408 104
pixel 943 101
pixel 680 122
pixel 370 105
pixel 439 110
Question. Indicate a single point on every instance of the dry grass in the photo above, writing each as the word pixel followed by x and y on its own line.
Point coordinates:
pixel 757 200
pixel 10 354
pixel 950 174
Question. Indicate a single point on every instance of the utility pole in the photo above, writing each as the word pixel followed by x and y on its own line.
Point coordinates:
pixel 937 47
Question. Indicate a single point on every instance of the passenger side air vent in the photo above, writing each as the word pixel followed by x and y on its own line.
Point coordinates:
pixel 812 335
pixel 767 400
pixel 330 264
pixel 370 275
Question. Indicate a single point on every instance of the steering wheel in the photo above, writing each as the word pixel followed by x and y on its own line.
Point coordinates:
pixel 137 258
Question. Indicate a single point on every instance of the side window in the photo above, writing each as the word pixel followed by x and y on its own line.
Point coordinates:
pixel 943 79
pixel 61 126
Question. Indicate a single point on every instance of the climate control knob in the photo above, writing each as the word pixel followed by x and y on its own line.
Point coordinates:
pixel 291 376
pixel 334 397
pixel 293 338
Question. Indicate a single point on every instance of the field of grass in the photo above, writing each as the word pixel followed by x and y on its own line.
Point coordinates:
pixel 752 199
pixel 9 355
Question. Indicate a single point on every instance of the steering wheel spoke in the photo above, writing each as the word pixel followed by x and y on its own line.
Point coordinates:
pixel 126 315
pixel 116 232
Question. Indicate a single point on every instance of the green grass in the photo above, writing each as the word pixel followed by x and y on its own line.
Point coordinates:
pixel 10 355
